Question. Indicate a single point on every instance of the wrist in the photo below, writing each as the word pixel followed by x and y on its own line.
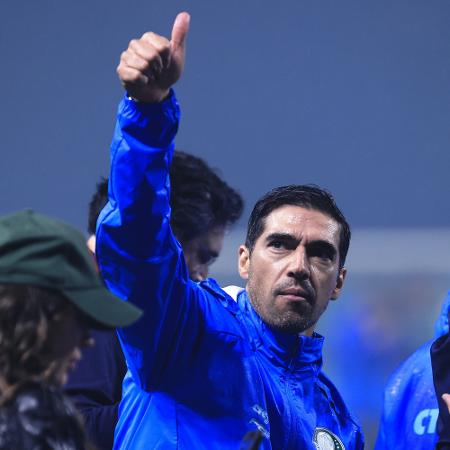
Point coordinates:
pixel 150 98
pixel 137 104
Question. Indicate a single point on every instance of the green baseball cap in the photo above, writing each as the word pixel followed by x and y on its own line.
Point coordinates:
pixel 41 251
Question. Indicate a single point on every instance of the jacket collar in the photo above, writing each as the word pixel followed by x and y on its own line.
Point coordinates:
pixel 291 351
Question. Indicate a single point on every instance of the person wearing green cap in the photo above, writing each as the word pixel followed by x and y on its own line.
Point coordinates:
pixel 50 297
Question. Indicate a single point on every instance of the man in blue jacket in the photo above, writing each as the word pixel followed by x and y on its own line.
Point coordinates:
pixel 205 366
pixel 410 409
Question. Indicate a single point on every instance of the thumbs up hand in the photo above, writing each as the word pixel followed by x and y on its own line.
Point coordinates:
pixel 152 64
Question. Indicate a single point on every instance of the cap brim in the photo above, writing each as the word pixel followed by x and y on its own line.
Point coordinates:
pixel 104 308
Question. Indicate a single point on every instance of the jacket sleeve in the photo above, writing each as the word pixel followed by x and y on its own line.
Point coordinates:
pixel 139 258
pixel 393 404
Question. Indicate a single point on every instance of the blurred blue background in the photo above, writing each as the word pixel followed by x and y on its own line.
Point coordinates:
pixel 350 95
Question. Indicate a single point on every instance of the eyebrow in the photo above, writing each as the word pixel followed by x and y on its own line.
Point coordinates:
pixel 284 237
pixel 291 239
pixel 206 252
pixel 327 246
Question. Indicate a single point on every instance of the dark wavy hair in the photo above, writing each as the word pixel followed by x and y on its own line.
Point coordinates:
pixel 307 196
pixel 200 200
pixel 97 203
pixel 26 316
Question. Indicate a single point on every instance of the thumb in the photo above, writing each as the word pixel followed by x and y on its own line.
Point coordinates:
pixel 179 31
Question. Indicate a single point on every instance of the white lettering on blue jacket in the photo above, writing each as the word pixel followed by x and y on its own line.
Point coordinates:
pixel 410 409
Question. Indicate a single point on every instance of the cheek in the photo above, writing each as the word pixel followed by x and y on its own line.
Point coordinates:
pixel 324 280
pixel 62 373
pixel 64 349
pixel 263 274
pixel 187 259
pixel 256 270
pixel 66 340
pixel 265 266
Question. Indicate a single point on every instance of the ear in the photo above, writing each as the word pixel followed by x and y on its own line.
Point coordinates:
pixel 243 261
pixel 91 243
pixel 339 284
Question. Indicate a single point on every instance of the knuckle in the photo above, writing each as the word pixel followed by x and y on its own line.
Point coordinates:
pixel 132 78
pixel 149 35
pixel 133 43
pixel 145 65
pixel 163 46
pixel 151 59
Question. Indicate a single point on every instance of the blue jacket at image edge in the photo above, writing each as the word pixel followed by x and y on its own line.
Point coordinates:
pixel 410 408
pixel 203 369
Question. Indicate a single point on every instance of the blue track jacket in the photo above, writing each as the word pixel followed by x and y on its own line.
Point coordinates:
pixel 203 369
pixel 410 407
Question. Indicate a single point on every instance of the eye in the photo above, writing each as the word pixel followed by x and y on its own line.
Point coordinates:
pixel 210 261
pixel 279 242
pixel 322 251
pixel 276 244
pixel 206 257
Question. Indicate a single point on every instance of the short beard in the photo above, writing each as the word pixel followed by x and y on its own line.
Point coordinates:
pixel 289 322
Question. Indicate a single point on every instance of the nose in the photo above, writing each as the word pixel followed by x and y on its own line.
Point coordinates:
pixel 200 273
pixel 299 264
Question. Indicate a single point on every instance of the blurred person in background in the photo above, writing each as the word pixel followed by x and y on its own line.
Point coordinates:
pixel 410 408
pixel 440 359
pixel 203 208
pixel 50 298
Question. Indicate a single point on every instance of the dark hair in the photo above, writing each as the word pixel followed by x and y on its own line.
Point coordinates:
pixel 200 199
pixel 306 196
pixel 97 203
pixel 26 316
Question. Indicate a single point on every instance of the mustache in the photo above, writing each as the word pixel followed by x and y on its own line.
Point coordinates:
pixel 303 285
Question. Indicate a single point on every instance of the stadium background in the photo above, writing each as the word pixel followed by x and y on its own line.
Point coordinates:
pixel 350 95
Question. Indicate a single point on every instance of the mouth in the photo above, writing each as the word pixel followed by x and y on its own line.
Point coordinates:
pixel 294 295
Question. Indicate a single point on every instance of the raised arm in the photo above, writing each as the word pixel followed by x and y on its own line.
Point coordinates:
pixel 139 257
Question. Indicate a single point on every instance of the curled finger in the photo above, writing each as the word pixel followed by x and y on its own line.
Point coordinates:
pixel 130 76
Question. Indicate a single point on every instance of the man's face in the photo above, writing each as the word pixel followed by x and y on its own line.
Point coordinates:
pixel 293 270
pixel 202 251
